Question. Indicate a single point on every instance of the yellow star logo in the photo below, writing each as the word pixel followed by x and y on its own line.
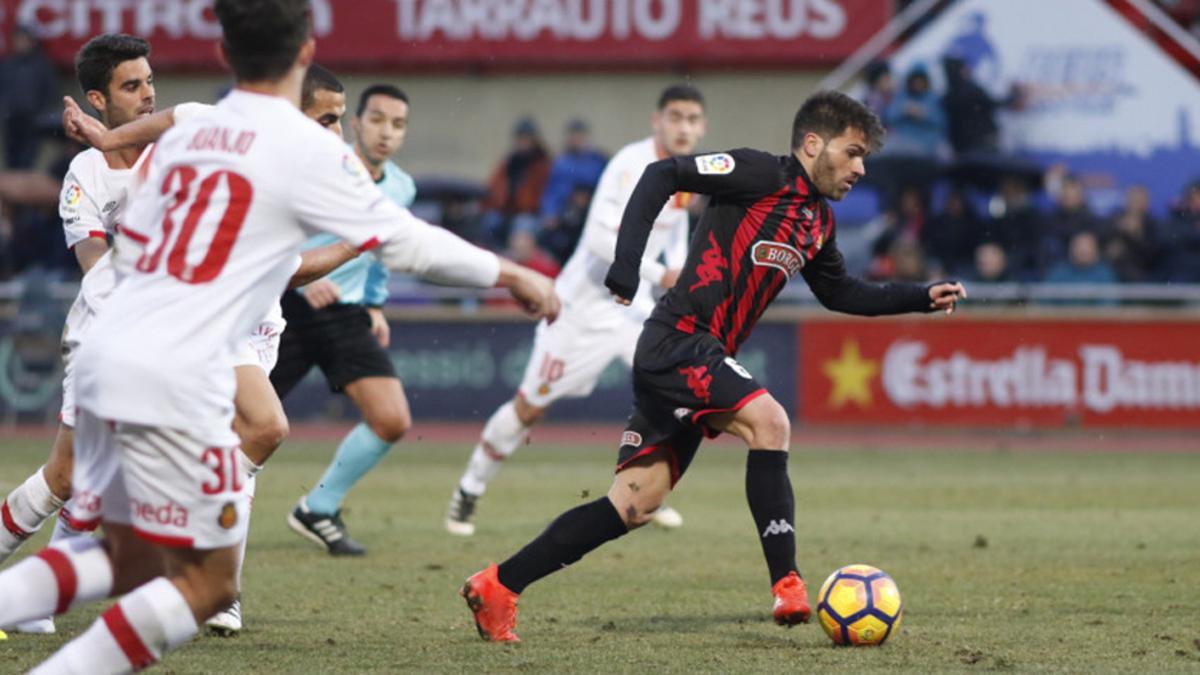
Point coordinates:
pixel 851 375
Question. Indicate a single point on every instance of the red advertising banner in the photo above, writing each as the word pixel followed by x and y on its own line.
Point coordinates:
pixel 490 33
pixel 1000 373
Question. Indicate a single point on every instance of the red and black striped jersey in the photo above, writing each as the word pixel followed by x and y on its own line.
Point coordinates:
pixel 765 223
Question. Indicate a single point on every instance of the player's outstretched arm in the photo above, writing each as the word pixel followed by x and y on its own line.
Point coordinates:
pixel 88 130
pixel 532 290
pixel 318 262
pixel 836 290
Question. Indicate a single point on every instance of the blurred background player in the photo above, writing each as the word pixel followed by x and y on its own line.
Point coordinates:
pixel 569 355
pixel 155 421
pixel 769 221
pixel 337 324
pixel 114 73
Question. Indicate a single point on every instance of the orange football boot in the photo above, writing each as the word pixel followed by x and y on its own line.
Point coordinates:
pixel 494 606
pixel 791 600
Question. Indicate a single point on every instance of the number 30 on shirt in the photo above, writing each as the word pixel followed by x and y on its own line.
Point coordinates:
pixel 195 203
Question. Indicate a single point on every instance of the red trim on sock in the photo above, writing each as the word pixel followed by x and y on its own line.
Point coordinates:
pixel 77 524
pixel 127 638
pixel 64 577
pixel 165 539
pixel 10 524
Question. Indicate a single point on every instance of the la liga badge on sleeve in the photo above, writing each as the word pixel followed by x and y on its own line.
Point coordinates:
pixel 715 165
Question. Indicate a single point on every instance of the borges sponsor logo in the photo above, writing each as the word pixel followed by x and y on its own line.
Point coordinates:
pixel 780 256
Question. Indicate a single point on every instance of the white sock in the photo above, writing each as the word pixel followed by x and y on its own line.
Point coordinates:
pixel 133 634
pixel 24 510
pixel 61 576
pixel 501 436
pixel 251 486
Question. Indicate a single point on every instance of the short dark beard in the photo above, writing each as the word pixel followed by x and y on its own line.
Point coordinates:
pixel 824 176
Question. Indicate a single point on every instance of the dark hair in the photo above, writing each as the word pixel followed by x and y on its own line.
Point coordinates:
pixel 679 92
pixel 828 114
pixel 379 90
pixel 263 37
pixel 96 60
pixel 318 78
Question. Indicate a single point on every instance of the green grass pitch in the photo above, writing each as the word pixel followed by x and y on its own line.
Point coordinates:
pixel 1060 562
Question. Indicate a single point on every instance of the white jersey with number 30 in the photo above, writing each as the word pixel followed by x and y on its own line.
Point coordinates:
pixel 230 196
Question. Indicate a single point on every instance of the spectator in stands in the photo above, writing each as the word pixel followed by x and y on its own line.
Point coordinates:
pixel 971 110
pixel 991 264
pixel 578 167
pixel 28 88
pixel 1084 264
pixel 950 237
pixel 515 187
pixel 1070 216
pixel 1181 238
pixel 915 120
pixel 573 179
pixel 560 237
pixel 908 261
pixel 880 88
pixel 524 249
pixel 904 224
pixel 1017 226
pixel 1133 248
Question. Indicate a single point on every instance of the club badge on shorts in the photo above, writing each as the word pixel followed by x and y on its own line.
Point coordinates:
pixel 228 517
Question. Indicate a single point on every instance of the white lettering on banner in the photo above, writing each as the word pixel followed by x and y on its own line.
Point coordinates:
pixel 1026 379
pixel 527 20
pixel 1030 378
pixel 1110 381
pixel 53 19
pixel 780 19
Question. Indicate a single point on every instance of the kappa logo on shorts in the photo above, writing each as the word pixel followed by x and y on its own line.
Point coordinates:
pixel 228 517
pixel 780 256
pixel 698 380
pixel 631 438
pixel 720 164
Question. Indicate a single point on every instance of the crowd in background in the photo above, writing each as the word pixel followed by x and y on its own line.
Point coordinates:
pixel 1015 226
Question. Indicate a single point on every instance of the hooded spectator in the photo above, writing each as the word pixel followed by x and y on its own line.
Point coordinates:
pixel 915 120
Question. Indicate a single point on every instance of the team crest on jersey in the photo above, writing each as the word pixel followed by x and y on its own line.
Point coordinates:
pixel 631 438
pixel 780 256
pixel 715 165
pixel 73 196
pixel 228 517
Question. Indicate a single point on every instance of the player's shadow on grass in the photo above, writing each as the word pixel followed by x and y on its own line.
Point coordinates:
pixel 679 623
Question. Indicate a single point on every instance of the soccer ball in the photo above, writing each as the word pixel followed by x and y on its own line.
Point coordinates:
pixel 859 605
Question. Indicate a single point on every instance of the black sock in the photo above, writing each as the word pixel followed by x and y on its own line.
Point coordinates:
pixel 769 492
pixel 570 537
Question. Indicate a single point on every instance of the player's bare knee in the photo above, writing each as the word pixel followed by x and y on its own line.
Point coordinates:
pixel 770 428
pixel 58 478
pixel 528 413
pixel 266 436
pixel 391 427
pixel 636 499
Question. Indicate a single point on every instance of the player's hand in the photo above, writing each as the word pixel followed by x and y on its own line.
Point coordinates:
pixel 322 293
pixel 945 296
pixel 82 127
pixel 379 327
pixel 533 291
pixel 669 279
pixel 622 301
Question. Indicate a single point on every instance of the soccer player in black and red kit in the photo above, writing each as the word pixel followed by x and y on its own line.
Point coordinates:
pixel 768 220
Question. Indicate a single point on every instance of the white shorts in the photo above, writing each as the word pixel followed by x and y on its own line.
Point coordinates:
pixel 170 488
pixel 79 318
pixel 260 349
pixel 569 356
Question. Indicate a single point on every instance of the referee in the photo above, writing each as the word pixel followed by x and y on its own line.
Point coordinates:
pixel 337 324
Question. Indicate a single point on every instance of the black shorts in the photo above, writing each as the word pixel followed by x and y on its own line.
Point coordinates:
pixel 337 339
pixel 678 381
